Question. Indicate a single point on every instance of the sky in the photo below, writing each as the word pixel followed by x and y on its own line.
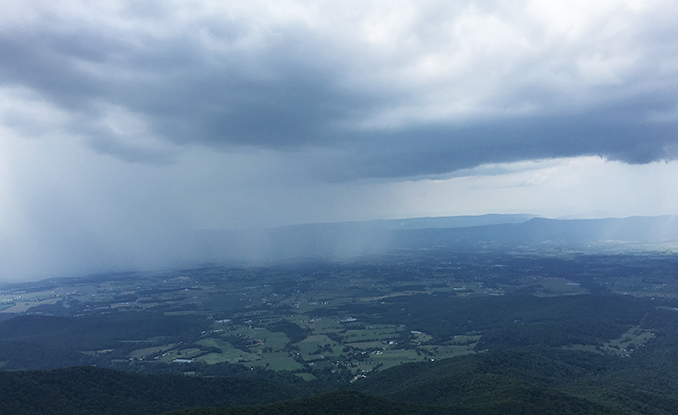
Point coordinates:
pixel 125 125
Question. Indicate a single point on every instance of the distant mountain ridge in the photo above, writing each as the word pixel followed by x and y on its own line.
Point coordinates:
pixel 433 222
pixel 566 232
pixel 347 239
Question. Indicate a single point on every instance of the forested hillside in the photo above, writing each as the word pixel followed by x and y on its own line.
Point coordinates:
pixel 89 390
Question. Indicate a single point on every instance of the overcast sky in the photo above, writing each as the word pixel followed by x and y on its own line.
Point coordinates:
pixel 124 124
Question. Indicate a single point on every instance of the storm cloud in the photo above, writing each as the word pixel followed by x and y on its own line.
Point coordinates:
pixel 126 126
pixel 388 89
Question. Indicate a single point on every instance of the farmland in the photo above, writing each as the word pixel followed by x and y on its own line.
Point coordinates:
pixel 310 318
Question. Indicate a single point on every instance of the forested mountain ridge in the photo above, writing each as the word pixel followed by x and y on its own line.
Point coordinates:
pixel 348 239
pixel 331 403
pixel 90 390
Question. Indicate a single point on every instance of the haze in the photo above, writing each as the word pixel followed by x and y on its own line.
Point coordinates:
pixel 126 126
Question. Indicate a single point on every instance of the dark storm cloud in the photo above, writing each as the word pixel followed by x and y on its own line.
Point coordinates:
pixel 294 89
pixel 614 133
pixel 283 95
